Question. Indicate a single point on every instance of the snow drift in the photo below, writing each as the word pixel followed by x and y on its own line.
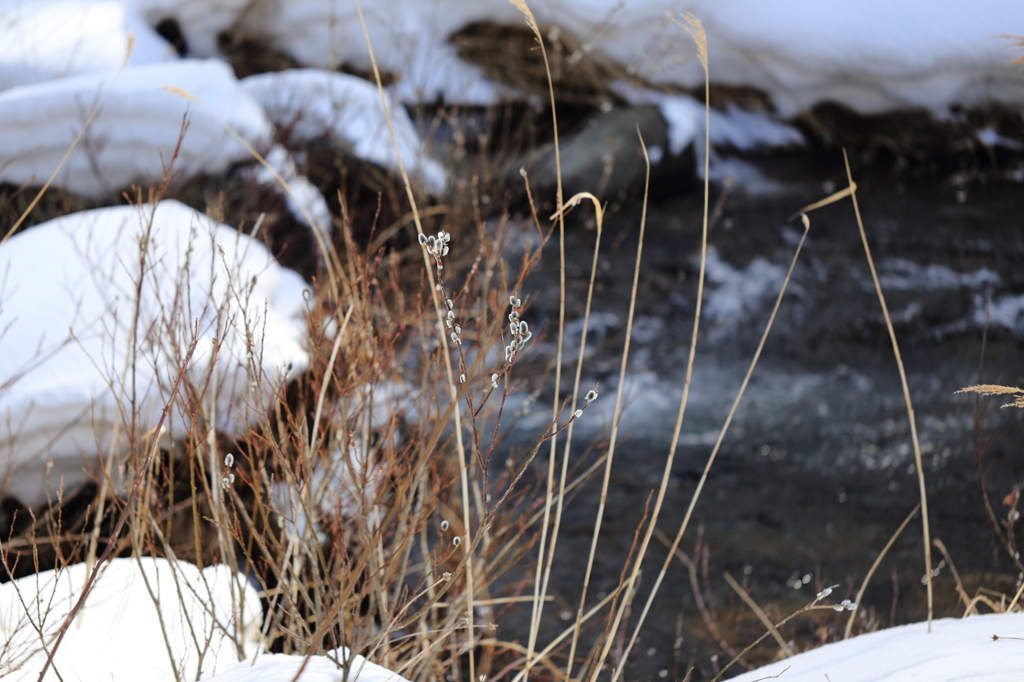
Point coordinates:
pixel 78 353
pixel 957 650
pixel 143 619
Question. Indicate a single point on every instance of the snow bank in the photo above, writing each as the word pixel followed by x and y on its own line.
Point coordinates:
pixel 201 21
pixel 283 668
pixel 957 650
pixel 311 103
pixel 872 55
pixel 142 619
pixel 134 136
pixel 47 39
pixel 67 301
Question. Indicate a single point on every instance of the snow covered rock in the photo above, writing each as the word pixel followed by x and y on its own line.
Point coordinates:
pixel 957 650
pixel 47 39
pixel 315 102
pixel 134 136
pixel 283 668
pixel 72 369
pixel 143 619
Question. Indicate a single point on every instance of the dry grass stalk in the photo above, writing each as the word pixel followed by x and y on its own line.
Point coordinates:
pixel 906 391
pixel 871 571
pixel 759 612
pixel 538 604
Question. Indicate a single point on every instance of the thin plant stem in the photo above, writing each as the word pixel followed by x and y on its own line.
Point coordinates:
pixel 906 394
pixel 717 447
pixel 871 571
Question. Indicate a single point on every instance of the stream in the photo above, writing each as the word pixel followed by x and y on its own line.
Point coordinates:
pixel 817 470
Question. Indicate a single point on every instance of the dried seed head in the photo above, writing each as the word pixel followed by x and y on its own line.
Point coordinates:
pixel 522 171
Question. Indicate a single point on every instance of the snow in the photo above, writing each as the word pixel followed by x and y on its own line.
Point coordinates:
pixel 957 650
pixel 284 668
pixel 47 39
pixel 143 618
pixel 200 21
pixel 310 103
pixel 304 202
pixel 67 299
pixel 872 55
pixel 134 136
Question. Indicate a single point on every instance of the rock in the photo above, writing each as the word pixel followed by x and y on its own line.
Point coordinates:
pixel 603 154
pixel 71 371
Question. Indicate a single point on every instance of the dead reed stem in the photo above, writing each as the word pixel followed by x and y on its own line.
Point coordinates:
pixel 452 386
pixel 718 443
pixel 871 571
pixel 759 612
pixel 906 392
pixel 538 594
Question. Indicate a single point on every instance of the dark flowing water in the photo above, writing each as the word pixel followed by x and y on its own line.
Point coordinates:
pixel 817 470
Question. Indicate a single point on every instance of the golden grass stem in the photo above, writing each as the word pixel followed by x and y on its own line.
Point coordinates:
pixel 906 392
pixel 759 612
pixel 871 571
pixel 599 217
pixel 718 445
pixel 538 605
pixel 313 437
pixel 696 31
pixel 452 386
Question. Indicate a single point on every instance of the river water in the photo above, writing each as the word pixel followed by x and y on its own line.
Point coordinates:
pixel 817 470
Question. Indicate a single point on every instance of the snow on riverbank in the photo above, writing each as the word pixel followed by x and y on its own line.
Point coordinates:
pixel 134 136
pixel 283 668
pixel 311 103
pixel 47 39
pixel 872 55
pixel 957 650
pixel 67 305
pixel 143 619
